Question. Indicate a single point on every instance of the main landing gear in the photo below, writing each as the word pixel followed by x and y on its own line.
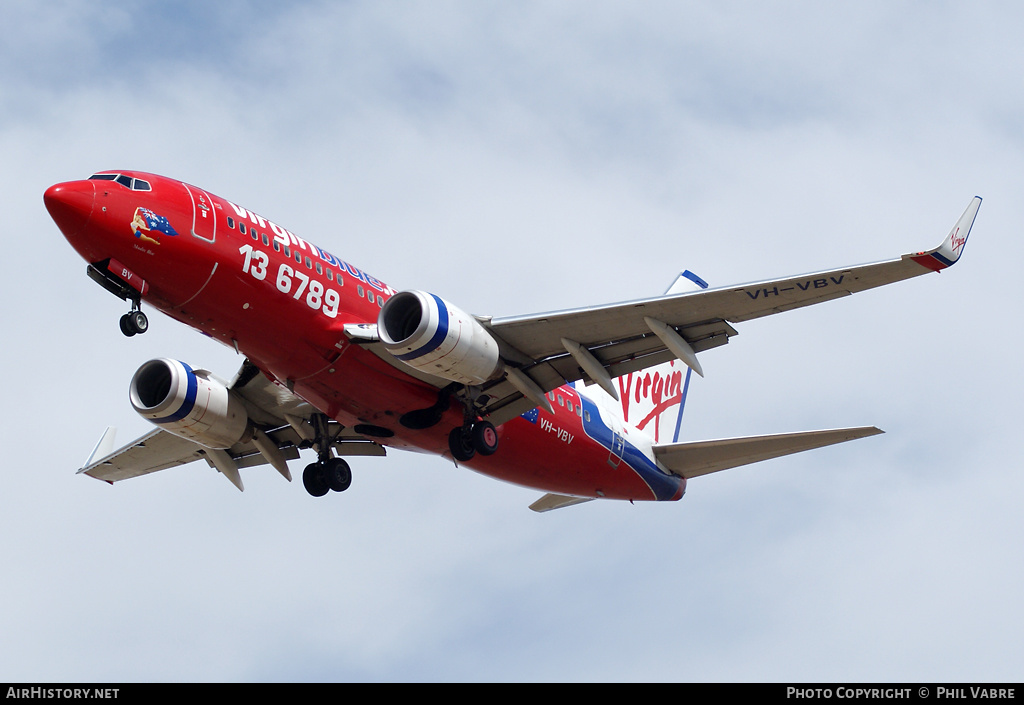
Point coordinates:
pixel 327 473
pixel 467 440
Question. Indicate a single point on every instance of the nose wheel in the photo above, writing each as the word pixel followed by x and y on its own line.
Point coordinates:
pixel 134 322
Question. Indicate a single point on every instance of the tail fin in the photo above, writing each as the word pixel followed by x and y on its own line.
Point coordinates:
pixel 653 399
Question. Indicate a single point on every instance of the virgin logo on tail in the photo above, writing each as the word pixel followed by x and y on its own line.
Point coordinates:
pixel 649 394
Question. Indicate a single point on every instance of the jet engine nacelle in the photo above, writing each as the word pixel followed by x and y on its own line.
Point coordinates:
pixel 431 335
pixel 189 403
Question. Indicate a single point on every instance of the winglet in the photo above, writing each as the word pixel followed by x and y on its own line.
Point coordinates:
pixel 104 447
pixel 947 254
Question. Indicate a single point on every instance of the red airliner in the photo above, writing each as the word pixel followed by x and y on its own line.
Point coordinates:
pixel 579 404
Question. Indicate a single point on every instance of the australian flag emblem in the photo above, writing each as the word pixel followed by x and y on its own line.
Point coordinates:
pixel 146 224
pixel 531 415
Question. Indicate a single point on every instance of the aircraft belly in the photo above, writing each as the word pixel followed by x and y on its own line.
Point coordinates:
pixel 561 458
pixel 354 389
pixel 579 466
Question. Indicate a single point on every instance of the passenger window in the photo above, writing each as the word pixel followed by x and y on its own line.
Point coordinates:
pixel 241 227
pixel 380 300
pixel 319 269
pixel 266 240
pixel 231 222
pixel 277 245
pixel 359 290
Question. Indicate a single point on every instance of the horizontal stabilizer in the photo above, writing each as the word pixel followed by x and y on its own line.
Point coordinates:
pixel 556 501
pixel 703 457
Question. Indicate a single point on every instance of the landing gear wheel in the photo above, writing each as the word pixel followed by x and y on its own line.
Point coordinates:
pixel 337 474
pixel 460 443
pixel 126 325
pixel 485 438
pixel 134 323
pixel 139 321
pixel 314 479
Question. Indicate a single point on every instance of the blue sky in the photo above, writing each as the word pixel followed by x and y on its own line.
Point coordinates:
pixel 514 159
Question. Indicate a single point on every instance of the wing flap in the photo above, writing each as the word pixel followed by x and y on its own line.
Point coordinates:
pixel 694 459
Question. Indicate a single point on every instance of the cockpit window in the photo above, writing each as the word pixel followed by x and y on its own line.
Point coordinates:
pixel 124 180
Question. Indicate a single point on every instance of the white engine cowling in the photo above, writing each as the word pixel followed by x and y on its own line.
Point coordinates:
pixel 431 335
pixel 191 404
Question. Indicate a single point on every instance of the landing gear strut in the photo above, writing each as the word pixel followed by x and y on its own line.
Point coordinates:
pixel 327 473
pixel 467 440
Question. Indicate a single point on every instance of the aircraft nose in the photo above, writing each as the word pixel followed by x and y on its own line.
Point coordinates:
pixel 70 205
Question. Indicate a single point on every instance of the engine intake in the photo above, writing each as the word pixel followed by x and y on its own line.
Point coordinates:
pixel 189 403
pixel 431 335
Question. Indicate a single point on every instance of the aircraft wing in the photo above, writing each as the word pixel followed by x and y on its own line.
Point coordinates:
pixel 616 339
pixel 281 430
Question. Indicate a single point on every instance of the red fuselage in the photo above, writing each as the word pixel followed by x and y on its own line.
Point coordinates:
pixel 283 303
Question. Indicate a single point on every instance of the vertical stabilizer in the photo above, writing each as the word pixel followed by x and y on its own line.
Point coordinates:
pixel 653 399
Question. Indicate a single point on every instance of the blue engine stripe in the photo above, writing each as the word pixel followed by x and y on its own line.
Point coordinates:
pixel 439 335
pixel 188 403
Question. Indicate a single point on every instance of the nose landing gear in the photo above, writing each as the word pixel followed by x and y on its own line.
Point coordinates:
pixel 135 321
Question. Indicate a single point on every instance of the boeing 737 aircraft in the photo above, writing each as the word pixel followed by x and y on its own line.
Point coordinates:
pixel 579 404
